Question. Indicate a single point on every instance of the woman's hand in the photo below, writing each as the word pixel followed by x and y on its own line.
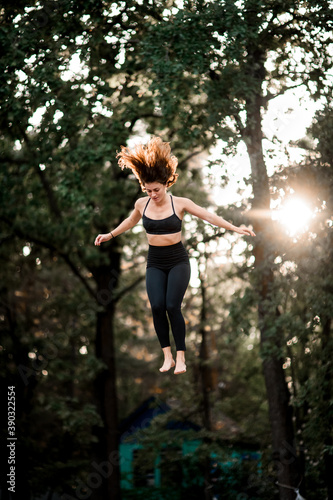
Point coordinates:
pixel 246 231
pixel 101 238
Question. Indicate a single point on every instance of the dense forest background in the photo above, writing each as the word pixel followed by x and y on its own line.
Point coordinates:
pixel 80 78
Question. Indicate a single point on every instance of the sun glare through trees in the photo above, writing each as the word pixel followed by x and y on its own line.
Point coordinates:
pixel 294 216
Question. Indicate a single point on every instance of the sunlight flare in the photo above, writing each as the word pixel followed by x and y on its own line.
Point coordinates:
pixel 294 215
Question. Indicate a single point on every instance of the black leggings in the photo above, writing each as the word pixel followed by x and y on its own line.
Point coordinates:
pixel 166 287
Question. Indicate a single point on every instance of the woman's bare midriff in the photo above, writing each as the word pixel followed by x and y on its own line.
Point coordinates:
pixel 163 240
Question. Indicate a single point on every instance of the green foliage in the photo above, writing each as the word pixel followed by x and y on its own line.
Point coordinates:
pixel 191 75
pixel 61 127
pixel 209 61
pixel 43 331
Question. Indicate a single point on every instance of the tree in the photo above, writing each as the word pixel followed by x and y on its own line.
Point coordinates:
pixel 60 129
pixel 46 355
pixel 216 66
pixel 195 74
pixel 307 263
pixel 68 104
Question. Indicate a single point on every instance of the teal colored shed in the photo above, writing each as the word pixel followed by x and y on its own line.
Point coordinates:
pixel 130 448
pixel 155 474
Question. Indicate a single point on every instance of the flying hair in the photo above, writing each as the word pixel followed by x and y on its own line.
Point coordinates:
pixel 151 163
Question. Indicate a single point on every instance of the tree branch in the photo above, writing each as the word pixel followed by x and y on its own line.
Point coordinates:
pixel 276 28
pixel 45 183
pixel 130 287
pixel 146 115
pixel 188 157
pixel 194 242
pixel 239 123
pixel 78 274
pixel 45 244
pixel 283 90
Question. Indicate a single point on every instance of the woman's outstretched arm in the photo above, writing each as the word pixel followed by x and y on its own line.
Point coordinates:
pixel 193 209
pixel 125 225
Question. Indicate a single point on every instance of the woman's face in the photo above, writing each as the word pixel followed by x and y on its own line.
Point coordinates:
pixel 155 190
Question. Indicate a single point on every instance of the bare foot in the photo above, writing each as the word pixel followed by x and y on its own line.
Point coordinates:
pixel 180 363
pixel 180 368
pixel 168 363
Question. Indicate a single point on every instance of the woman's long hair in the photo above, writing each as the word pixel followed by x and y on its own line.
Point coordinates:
pixel 150 163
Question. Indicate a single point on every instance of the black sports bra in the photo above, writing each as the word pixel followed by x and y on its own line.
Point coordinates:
pixel 169 225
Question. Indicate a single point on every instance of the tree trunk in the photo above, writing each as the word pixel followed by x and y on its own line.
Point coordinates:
pixel 280 412
pixel 20 383
pixel 107 463
pixel 205 369
pixel 327 346
pixel 206 385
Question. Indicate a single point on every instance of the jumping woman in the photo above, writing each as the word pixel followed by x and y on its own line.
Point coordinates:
pixel 168 266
